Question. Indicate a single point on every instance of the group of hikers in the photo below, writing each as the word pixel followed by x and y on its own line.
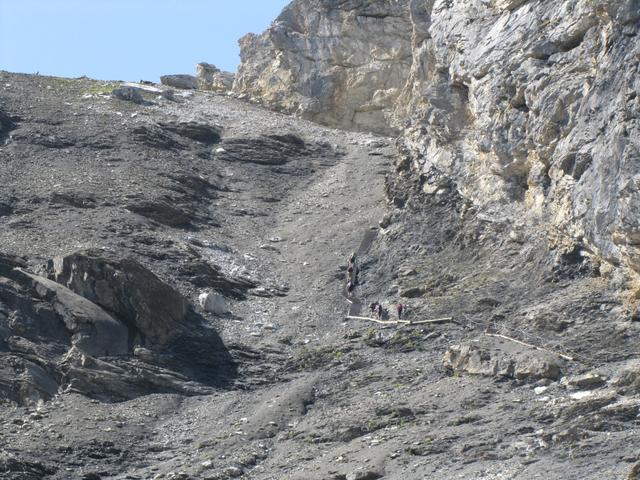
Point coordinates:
pixel 376 310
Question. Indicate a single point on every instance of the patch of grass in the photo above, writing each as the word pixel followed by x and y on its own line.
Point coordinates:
pixel 400 341
pixel 60 82
pixel 314 358
pixel 101 89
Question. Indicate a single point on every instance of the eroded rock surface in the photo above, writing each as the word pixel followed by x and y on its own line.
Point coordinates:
pixel 519 365
pixel 84 335
pixel 212 78
pixel 275 207
pixel 522 104
pixel 339 63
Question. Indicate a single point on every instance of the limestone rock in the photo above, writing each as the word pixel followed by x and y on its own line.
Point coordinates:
pixel 481 93
pixel 182 81
pixel 520 365
pixel 338 63
pixel 586 381
pixel 213 303
pixel 476 361
pixel 131 94
pixel 212 78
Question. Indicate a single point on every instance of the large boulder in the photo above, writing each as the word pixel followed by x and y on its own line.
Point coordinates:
pixel 93 331
pixel 521 365
pixel 213 303
pixel 153 311
pixel 40 321
pixel 212 78
pixel 181 81
pixel 116 333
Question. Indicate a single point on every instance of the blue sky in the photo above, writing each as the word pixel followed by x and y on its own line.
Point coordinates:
pixel 126 39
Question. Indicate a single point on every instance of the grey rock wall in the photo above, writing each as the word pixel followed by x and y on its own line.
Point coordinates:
pixel 533 105
pixel 340 63
pixel 530 107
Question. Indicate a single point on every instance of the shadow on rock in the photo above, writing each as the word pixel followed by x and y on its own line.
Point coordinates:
pixel 105 327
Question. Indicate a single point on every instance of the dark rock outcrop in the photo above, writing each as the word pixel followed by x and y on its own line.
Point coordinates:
pixel 153 311
pixel 6 125
pixel 266 150
pixel 91 333
pixel 182 81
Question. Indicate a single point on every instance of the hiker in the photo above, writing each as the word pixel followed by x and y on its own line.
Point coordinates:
pixel 373 308
pixel 350 287
pixel 351 261
pixel 378 311
pixel 400 309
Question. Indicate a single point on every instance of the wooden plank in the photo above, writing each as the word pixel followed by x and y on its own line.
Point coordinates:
pixel 433 320
pixel 519 342
pixel 403 322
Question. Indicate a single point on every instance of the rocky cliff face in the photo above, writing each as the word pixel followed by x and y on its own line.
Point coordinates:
pixel 530 108
pixel 341 63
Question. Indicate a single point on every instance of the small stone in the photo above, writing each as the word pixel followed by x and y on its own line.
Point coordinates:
pixel 581 395
pixel 364 475
pixel 587 381
pixel 213 303
pixel 130 94
pixel 232 472
pixel 407 272
pixel 430 189
pixel 412 292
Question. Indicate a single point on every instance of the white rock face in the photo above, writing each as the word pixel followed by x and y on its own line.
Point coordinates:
pixel 213 303
pixel 531 108
pixel 212 78
pixel 339 63
pixel 533 105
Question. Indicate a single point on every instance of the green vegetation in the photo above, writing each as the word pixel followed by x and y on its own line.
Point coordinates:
pixel 101 89
pixel 314 358
pixel 60 82
pixel 400 341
